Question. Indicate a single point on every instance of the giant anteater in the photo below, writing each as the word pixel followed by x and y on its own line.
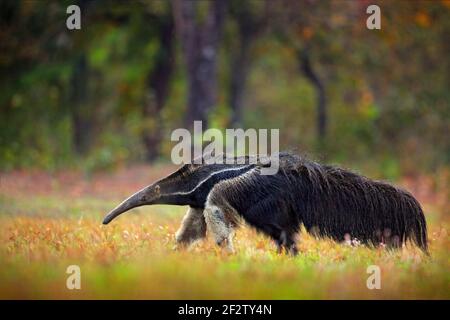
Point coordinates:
pixel 328 201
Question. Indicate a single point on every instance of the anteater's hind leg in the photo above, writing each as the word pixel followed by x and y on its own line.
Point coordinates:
pixel 193 227
pixel 286 240
pixel 274 219
pixel 219 226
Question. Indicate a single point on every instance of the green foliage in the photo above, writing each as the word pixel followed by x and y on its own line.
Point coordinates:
pixel 134 259
pixel 387 91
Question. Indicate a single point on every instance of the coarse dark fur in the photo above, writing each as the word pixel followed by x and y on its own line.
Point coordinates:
pixel 328 201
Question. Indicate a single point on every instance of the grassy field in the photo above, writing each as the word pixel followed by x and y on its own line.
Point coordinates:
pixel 51 221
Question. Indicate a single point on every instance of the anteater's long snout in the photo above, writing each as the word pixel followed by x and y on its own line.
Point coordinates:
pixel 138 199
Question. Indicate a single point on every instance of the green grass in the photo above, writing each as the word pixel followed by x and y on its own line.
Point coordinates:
pixel 133 257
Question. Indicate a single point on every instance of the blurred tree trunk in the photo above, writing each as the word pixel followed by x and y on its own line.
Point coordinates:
pixel 200 40
pixel 240 64
pixel 81 113
pixel 250 23
pixel 158 87
pixel 311 75
pixel 239 72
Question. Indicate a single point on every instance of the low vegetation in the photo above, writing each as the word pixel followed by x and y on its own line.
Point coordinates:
pixel 48 222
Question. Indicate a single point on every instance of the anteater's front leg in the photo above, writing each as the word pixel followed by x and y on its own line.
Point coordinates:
pixel 193 227
pixel 220 228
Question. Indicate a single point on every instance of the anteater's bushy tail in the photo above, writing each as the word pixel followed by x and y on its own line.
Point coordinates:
pixel 418 228
pixel 337 203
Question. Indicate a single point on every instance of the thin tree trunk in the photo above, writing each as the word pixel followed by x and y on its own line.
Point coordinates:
pixel 250 25
pixel 239 72
pixel 81 114
pixel 158 87
pixel 200 43
pixel 311 75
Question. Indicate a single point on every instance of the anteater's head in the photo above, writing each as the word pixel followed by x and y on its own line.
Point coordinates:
pixel 177 188
pixel 166 190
